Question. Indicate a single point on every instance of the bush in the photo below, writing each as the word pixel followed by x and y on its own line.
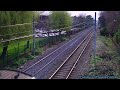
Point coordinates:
pixel 18 63
pixel 39 51
pixel 104 32
pixel 117 37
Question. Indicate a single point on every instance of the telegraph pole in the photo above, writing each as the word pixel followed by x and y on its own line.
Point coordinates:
pixel 33 37
pixel 95 40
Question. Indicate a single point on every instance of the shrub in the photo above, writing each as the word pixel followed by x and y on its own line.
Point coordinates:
pixel 117 37
pixel 104 32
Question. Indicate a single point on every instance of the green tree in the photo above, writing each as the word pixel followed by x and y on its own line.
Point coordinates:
pixel 60 19
pixel 79 21
pixel 102 21
pixel 117 36
pixel 11 18
pixel 89 20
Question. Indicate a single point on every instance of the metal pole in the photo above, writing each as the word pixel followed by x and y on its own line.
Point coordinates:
pixel 33 37
pixel 95 40
pixel 18 51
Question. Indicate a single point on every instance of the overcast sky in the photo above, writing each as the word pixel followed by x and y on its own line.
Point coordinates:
pixel 77 13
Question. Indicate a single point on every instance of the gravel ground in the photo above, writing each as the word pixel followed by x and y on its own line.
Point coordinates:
pixel 47 50
pixel 64 70
pixel 57 60
pixel 82 66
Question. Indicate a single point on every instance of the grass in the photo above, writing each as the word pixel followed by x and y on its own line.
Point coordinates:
pixel 96 60
pixel 20 60
pixel 107 61
pixel 23 59
pixel 12 51
pixel 13 47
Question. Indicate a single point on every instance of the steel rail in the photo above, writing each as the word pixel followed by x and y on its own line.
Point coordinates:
pixel 68 57
pixel 52 53
pixel 78 58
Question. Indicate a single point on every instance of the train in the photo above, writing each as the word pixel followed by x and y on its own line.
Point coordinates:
pixel 14 74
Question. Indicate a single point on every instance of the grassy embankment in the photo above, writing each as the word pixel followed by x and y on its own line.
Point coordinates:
pixel 13 51
pixel 107 62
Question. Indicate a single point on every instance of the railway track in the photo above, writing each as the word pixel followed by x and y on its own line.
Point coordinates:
pixel 65 70
pixel 41 64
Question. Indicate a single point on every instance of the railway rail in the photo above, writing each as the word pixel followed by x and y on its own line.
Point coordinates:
pixel 41 64
pixel 65 70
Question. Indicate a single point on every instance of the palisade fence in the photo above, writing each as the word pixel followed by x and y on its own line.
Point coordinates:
pixel 22 47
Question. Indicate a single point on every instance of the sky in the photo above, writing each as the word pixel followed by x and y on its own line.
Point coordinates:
pixel 77 13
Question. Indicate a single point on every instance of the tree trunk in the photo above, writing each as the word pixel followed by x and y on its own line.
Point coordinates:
pixel 28 44
pixel 4 52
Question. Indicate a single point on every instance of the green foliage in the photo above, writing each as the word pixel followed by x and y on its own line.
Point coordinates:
pixel 117 36
pixel 89 20
pixel 15 17
pixel 107 59
pixel 36 16
pixel 12 18
pixel 39 51
pixel 102 21
pixel 104 32
pixel 60 19
pixel 109 20
pixel 4 20
pixel 96 60
pixel 19 62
